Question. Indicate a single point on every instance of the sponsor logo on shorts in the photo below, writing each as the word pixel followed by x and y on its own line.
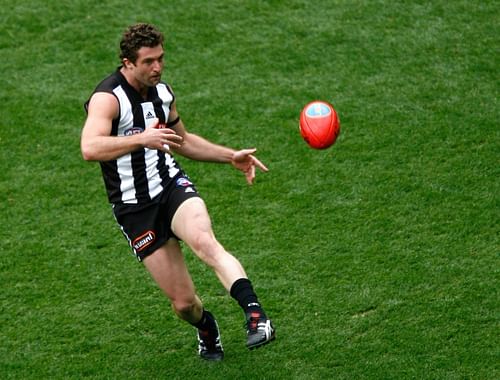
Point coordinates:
pixel 133 131
pixel 143 241
pixel 183 182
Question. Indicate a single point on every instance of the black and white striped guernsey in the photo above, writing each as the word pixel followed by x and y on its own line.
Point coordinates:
pixel 139 176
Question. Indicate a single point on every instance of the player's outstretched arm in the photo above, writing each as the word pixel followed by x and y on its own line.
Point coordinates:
pixel 198 148
pixel 245 161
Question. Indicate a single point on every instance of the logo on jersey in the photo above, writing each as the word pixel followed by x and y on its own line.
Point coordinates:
pixel 150 115
pixel 183 182
pixel 133 131
pixel 143 241
pixel 186 183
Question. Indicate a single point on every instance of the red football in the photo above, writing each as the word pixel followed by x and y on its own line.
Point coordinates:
pixel 319 124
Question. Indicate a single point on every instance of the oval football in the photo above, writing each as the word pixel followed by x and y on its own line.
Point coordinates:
pixel 319 124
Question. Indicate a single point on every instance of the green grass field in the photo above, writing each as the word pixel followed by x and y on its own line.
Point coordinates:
pixel 376 259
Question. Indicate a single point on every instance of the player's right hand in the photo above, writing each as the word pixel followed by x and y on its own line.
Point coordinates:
pixel 162 139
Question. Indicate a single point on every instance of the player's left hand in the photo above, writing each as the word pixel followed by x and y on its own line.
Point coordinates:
pixel 245 161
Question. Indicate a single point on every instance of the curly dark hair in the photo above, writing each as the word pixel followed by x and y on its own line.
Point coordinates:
pixel 137 36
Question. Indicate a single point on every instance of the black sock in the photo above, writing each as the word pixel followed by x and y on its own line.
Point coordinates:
pixel 207 322
pixel 242 291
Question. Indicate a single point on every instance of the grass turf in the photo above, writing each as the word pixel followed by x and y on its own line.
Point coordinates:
pixel 377 258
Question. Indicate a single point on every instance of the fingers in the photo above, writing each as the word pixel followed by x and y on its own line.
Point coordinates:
pixel 247 152
pixel 246 162
pixel 162 139
pixel 243 154
pixel 250 175
pixel 259 164
pixel 170 140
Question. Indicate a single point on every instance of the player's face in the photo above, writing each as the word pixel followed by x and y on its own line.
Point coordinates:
pixel 149 65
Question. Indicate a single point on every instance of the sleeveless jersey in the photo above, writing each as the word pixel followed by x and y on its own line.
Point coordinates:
pixel 139 176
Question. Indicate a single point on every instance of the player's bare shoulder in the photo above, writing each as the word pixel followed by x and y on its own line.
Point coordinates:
pixel 103 104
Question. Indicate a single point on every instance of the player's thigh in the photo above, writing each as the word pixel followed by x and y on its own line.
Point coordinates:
pixel 191 222
pixel 168 268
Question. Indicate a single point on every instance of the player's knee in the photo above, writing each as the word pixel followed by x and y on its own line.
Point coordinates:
pixel 207 248
pixel 184 308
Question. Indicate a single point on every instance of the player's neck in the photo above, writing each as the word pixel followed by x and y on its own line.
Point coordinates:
pixel 139 87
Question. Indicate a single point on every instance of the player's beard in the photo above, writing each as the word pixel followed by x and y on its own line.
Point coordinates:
pixel 155 79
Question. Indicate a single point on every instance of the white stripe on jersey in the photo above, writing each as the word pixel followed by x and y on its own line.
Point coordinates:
pixel 166 96
pixel 126 116
pixel 124 163
pixel 154 179
pixel 151 156
pixel 148 113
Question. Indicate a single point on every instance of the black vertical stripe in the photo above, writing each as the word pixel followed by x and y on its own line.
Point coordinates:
pixel 157 105
pixel 111 179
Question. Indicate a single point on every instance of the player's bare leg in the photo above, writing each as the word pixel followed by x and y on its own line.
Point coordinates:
pixel 167 267
pixel 192 224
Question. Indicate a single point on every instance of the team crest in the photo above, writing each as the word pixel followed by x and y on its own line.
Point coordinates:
pixel 183 182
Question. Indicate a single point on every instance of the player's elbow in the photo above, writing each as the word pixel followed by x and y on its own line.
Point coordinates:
pixel 87 156
pixel 88 153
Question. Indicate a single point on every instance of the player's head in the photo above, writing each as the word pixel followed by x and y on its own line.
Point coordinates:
pixel 138 36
